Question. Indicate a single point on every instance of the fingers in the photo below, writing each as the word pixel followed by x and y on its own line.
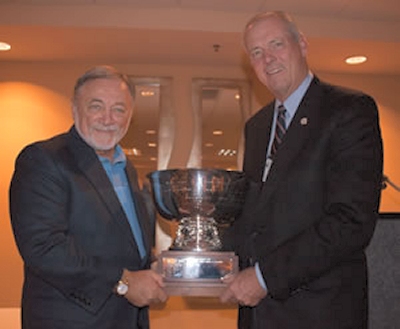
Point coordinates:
pixel 145 288
pixel 228 278
pixel 154 266
pixel 229 294
pixel 158 278
pixel 162 296
pixel 225 296
pixel 243 288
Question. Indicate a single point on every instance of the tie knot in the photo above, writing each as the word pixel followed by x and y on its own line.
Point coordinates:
pixel 281 108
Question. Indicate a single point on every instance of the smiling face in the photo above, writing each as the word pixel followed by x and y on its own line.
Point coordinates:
pixel 277 56
pixel 102 112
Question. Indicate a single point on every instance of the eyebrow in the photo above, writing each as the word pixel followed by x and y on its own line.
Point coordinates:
pixel 95 100
pixel 254 48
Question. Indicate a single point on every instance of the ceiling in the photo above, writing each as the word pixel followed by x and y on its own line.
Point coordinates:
pixel 185 31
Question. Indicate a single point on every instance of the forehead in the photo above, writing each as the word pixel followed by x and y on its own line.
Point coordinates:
pixel 104 86
pixel 265 28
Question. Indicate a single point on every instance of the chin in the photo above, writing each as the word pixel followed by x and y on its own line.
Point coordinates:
pixel 103 146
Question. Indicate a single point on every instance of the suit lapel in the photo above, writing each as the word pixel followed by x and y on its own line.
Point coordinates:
pixel 257 149
pixel 306 119
pixel 89 164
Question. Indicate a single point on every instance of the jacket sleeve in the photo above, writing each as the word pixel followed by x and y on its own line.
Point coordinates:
pixel 40 208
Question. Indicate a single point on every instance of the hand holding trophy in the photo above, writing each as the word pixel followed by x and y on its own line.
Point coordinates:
pixel 201 200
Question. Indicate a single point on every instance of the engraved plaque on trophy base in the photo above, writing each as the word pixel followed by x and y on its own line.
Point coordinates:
pixel 193 273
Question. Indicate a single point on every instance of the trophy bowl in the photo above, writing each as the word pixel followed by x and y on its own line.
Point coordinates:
pixel 202 201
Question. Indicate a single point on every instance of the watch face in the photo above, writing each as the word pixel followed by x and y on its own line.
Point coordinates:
pixel 122 288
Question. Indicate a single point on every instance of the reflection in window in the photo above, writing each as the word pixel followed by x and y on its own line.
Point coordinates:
pixel 224 106
pixel 221 127
pixel 148 140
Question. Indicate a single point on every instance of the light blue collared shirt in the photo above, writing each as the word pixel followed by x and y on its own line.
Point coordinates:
pixel 291 104
pixel 116 173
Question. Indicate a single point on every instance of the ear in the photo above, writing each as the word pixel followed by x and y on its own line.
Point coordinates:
pixel 303 44
pixel 74 112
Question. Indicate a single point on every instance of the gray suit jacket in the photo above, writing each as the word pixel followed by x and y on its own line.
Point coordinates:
pixel 74 238
pixel 308 225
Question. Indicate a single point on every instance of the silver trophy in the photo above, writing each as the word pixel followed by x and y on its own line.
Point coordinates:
pixel 202 201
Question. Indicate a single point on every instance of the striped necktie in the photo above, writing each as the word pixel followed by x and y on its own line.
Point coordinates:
pixel 280 129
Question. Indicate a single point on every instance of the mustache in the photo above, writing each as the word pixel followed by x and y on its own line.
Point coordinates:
pixel 102 127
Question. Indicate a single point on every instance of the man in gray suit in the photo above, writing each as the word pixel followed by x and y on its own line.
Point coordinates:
pixel 314 159
pixel 80 221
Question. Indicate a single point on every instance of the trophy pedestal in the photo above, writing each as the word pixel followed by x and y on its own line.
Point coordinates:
pixel 196 273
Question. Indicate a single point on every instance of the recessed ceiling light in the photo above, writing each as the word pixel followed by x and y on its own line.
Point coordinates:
pixel 237 96
pixel 147 93
pixel 152 144
pixel 150 132
pixel 208 144
pixel 4 46
pixel 354 60
pixel 218 132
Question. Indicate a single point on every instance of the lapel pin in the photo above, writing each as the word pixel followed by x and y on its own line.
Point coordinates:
pixel 304 121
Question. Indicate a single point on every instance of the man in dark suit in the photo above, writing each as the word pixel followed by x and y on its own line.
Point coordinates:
pixel 315 166
pixel 80 221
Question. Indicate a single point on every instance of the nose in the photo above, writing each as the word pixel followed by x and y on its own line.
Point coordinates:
pixel 269 57
pixel 107 117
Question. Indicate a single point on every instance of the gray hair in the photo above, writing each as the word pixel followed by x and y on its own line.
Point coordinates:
pixel 284 17
pixel 103 72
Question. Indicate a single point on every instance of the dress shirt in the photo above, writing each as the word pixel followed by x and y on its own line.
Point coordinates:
pixel 116 173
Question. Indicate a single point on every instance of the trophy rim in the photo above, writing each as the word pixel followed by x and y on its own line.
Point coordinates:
pixel 193 169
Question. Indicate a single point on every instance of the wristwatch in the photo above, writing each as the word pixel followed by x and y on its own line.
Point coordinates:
pixel 121 288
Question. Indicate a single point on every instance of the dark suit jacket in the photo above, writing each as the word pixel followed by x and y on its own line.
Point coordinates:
pixel 308 225
pixel 74 238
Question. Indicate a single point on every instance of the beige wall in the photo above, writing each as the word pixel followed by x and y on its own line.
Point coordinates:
pixel 34 104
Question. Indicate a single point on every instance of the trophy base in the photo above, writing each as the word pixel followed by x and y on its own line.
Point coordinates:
pixel 196 273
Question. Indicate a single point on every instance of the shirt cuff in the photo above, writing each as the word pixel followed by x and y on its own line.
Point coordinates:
pixel 260 276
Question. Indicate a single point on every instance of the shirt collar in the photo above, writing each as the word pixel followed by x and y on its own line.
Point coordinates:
pixel 119 156
pixel 293 101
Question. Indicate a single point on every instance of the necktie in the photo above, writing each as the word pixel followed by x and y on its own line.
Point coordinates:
pixel 280 129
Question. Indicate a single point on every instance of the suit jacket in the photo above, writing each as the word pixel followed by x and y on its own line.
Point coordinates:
pixel 307 226
pixel 74 238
